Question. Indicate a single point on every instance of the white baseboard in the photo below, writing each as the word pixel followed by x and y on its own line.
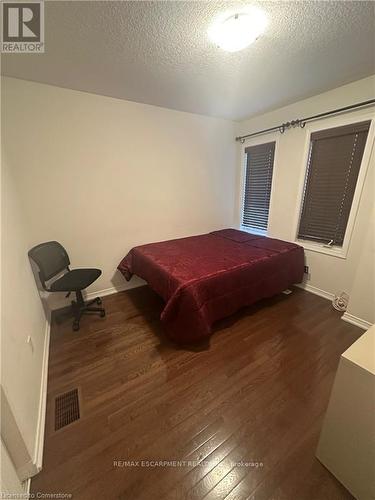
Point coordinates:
pixel 316 291
pixel 39 440
pixel 109 291
pixel 349 318
pixel 354 320
pixel 26 485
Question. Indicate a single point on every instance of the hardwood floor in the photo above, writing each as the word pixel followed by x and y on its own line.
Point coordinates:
pixel 255 393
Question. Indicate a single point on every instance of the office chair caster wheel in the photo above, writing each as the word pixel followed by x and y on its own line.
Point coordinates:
pixel 102 314
pixel 98 301
pixel 75 326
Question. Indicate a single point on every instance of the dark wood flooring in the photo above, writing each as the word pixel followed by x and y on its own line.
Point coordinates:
pixel 245 409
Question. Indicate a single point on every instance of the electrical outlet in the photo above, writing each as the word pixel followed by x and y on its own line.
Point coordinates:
pixel 307 274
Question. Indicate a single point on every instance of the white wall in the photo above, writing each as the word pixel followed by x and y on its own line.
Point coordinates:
pixel 101 175
pixel 328 273
pixel 22 315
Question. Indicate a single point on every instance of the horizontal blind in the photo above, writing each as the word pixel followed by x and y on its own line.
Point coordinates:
pixel 258 183
pixel 335 158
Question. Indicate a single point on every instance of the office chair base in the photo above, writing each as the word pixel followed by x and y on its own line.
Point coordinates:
pixel 80 308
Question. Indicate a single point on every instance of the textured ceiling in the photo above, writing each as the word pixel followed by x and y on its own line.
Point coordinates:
pixel 159 53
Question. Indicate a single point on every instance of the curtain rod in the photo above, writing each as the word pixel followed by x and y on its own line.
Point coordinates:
pixel 302 121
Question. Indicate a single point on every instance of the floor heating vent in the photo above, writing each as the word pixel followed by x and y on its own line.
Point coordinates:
pixel 66 409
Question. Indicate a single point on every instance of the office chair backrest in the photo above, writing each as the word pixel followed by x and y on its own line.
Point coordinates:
pixel 51 259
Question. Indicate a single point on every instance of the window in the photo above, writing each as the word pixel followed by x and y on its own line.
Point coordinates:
pixel 333 166
pixel 258 182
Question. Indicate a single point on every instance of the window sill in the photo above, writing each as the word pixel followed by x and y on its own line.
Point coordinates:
pixel 339 252
pixel 259 232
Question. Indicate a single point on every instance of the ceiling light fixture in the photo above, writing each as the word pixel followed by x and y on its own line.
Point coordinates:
pixel 236 31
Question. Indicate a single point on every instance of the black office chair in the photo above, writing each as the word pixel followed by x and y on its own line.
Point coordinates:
pixel 52 260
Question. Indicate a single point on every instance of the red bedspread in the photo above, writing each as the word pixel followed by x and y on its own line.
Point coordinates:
pixel 205 278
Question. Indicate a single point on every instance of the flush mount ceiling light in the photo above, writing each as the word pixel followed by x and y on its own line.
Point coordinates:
pixel 233 32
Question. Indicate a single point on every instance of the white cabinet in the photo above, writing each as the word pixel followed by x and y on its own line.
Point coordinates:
pixel 347 441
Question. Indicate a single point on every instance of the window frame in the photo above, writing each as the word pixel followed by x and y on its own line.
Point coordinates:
pixel 257 141
pixel 326 124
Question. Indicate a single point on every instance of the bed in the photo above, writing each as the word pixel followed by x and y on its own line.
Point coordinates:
pixel 205 278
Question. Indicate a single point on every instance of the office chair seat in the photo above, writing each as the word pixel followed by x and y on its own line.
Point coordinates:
pixel 77 279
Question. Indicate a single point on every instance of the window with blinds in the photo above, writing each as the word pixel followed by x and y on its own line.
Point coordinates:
pixel 257 190
pixel 334 162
